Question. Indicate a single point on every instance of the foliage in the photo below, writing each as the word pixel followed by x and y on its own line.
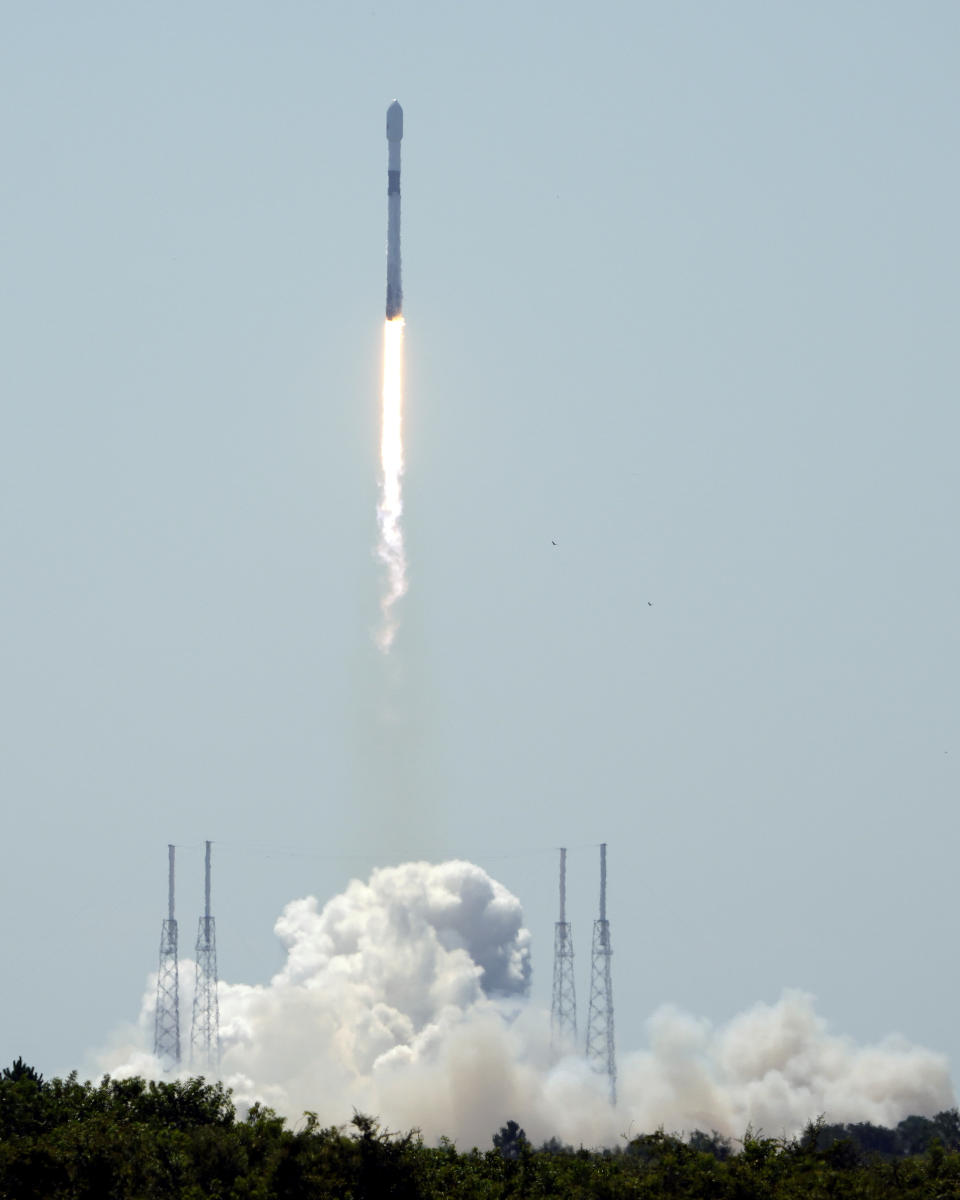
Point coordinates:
pixel 117 1139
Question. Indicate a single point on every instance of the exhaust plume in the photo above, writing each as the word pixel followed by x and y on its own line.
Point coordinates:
pixel 407 997
pixel 390 548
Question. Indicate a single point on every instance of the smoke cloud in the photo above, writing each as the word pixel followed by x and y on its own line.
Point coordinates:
pixel 406 997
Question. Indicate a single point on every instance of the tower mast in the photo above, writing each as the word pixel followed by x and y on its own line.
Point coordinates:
pixel 205 1030
pixel 166 1029
pixel 600 1043
pixel 563 1011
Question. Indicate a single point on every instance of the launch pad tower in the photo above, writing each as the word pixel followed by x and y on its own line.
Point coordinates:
pixel 205 1030
pixel 166 1029
pixel 600 1045
pixel 563 1011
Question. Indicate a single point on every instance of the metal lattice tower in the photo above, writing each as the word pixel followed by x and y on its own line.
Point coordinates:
pixel 205 1031
pixel 166 1029
pixel 563 1011
pixel 600 1048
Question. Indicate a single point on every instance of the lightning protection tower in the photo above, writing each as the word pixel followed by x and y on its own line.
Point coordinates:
pixel 205 1031
pixel 563 1011
pixel 600 1049
pixel 166 1029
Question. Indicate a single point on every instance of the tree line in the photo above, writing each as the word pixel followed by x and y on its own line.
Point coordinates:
pixel 133 1139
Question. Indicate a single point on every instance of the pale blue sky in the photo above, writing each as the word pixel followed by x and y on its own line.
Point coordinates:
pixel 681 293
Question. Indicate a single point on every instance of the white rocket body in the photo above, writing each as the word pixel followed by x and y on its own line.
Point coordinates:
pixel 394 134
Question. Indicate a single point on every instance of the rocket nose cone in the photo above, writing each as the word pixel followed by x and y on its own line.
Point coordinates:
pixel 394 122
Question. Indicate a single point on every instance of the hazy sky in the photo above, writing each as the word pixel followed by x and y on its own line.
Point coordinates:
pixel 681 290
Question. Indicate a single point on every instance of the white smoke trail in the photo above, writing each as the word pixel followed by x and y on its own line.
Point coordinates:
pixel 390 549
pixel 406 996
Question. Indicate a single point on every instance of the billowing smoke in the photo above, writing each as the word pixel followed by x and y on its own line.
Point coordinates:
pixel 406 997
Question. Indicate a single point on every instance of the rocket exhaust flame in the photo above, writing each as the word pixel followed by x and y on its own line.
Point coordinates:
pixel 390 549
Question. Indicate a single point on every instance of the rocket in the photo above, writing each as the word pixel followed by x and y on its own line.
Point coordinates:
pixel 394 134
